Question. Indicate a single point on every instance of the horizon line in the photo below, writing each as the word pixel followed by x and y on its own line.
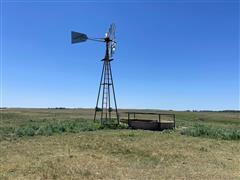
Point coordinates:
pixel 60 107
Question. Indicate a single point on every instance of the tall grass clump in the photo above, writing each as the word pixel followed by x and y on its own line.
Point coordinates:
pixel 216 132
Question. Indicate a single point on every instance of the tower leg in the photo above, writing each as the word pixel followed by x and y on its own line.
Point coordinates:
pixel 103 94
pixel 109 93
pixel 115 102
pixel 99 91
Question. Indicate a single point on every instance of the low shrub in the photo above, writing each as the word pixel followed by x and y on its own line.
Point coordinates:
pixel 211 131
pixel 49 128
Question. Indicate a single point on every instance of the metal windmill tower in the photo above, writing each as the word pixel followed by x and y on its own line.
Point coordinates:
pixel 106 93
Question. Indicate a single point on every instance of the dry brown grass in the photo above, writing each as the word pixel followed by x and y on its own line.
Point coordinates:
pixel 122 154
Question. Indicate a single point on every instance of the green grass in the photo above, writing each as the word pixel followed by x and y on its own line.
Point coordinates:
pixel 31 122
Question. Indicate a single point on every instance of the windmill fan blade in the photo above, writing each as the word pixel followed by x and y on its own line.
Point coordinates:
pixel 112 31
pixel 78 37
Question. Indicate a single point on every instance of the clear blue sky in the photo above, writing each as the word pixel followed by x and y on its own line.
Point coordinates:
pixel 177 55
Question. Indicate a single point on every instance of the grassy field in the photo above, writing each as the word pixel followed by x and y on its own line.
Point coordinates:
pixel 66 144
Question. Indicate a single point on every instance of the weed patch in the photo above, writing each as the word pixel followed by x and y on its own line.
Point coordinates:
pixel 49 128
pixel 202 130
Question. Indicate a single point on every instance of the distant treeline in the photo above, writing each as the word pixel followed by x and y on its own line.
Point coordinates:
pixel 212 111
pixel 58 108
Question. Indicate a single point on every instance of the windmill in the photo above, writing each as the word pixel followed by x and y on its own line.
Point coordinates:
pixel 106 92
